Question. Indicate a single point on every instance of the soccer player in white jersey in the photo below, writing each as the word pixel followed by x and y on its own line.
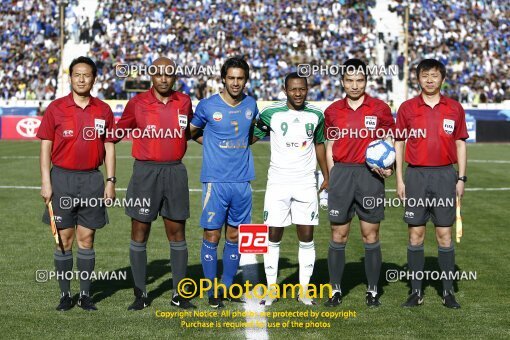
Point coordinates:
pixel 296 129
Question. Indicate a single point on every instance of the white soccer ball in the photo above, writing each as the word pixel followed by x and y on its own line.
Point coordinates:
pixel 380 154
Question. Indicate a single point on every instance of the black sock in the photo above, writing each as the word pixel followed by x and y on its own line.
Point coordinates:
pixel 63 264
pixel 446 259
pixel 373 261
pixel 138 259
pixel 415 263
pixel 336 263
pixel 85 260
pixel 178 261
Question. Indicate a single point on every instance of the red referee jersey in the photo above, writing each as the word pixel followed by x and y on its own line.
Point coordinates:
pixel 356 128
pixel 158 130
pixel 78 134
pixel 442 125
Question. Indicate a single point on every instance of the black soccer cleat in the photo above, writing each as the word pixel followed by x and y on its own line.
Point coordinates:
pixel 85 303
pixel 181 302
pixel 334 301
pixel 372 299
pixel 216 302
pixel 449 301
pixel 66 303
pixel 141 300
pixel 414 300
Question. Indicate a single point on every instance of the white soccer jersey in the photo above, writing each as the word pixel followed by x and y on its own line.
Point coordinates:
pixel 293 136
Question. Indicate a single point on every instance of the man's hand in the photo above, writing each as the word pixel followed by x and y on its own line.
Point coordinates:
pixel 324 185
pixel 460 189
pixel 109 192
pixel 401 190
pixel 46 192
pixel 383 173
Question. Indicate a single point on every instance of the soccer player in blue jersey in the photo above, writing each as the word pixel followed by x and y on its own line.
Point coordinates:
pixel 223 124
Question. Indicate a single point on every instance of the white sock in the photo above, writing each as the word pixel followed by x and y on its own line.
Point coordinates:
pixel 271 262
pixel 306 257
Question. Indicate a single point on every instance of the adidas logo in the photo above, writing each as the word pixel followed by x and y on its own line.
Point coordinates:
pixel 296 120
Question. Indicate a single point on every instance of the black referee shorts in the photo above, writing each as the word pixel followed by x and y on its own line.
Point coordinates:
pixel 77 199
pixel 430 194
pixel 164 185
pixel 354 189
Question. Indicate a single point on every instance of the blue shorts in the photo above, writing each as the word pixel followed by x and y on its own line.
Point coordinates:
pixel 225 203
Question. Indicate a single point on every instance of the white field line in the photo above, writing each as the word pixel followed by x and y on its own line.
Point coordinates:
pixel 24 187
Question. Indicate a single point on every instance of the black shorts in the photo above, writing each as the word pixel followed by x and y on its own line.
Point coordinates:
pixel 353 188
pixel 77 199
pixel 430 194
pixel 164 185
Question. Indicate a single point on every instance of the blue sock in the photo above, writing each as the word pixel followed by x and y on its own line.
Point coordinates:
pixel 209 258
pixel 230 263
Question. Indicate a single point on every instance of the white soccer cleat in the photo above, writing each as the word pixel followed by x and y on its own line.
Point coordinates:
pixel 307 301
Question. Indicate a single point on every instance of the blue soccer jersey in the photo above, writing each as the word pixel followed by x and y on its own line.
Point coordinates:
pixel 227 156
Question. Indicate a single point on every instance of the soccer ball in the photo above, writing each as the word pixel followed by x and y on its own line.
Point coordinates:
pixel 380 154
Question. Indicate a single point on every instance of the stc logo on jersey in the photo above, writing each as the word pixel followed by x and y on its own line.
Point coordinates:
pixel 253 238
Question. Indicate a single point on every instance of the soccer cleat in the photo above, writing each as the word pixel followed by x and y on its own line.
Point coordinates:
pixel 334 301
pixel 414 300
pixel 216 303
pixel 268 301
pixel 85 303
pixel 140 300
pixel 449 301
pixel 181 302
pixel 307 301
pixel 66 303
pixel 372 299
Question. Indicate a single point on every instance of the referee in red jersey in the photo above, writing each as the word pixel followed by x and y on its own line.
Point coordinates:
pixel 431 182
pixel 73 146
pixel 351 125
pixel 160 117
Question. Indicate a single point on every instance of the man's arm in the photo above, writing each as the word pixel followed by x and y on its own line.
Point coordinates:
pixel 196 133
pixel 45 164
pixel 109 161
pixel 399 161
pixel 462 163
pixel 320 151
pixel 329 155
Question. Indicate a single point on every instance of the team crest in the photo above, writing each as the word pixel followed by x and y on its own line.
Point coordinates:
pixel 183 121
pixel 370 122
pixel 248 114
pixel 217 116
pixel 309 129
pixel 448 126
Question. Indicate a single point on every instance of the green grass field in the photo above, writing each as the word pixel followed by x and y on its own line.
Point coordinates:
pixel 28 307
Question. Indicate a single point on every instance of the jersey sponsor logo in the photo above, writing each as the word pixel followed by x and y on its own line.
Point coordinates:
pixel 28 127
pixel 249 114
pixel 448 126
pixel 183 121
pixel 217 116
pixel 99 125
pixel 68 133
pixel 371 122
pixel 253 238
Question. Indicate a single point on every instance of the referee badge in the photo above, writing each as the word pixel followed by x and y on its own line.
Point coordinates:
pixel 448 126
pixel 99 125
pixel 370 122
pixel 183 121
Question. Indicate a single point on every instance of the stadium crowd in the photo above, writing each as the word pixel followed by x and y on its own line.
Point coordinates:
pixel 472 38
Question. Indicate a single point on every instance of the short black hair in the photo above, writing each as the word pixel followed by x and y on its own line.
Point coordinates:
pixel 235 62
pixel 429 64
pixel 83 60
pixel 294 75
pixel 354 64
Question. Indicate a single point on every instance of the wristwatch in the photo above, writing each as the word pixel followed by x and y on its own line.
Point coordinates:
pixel 112 179
pixel 462 178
